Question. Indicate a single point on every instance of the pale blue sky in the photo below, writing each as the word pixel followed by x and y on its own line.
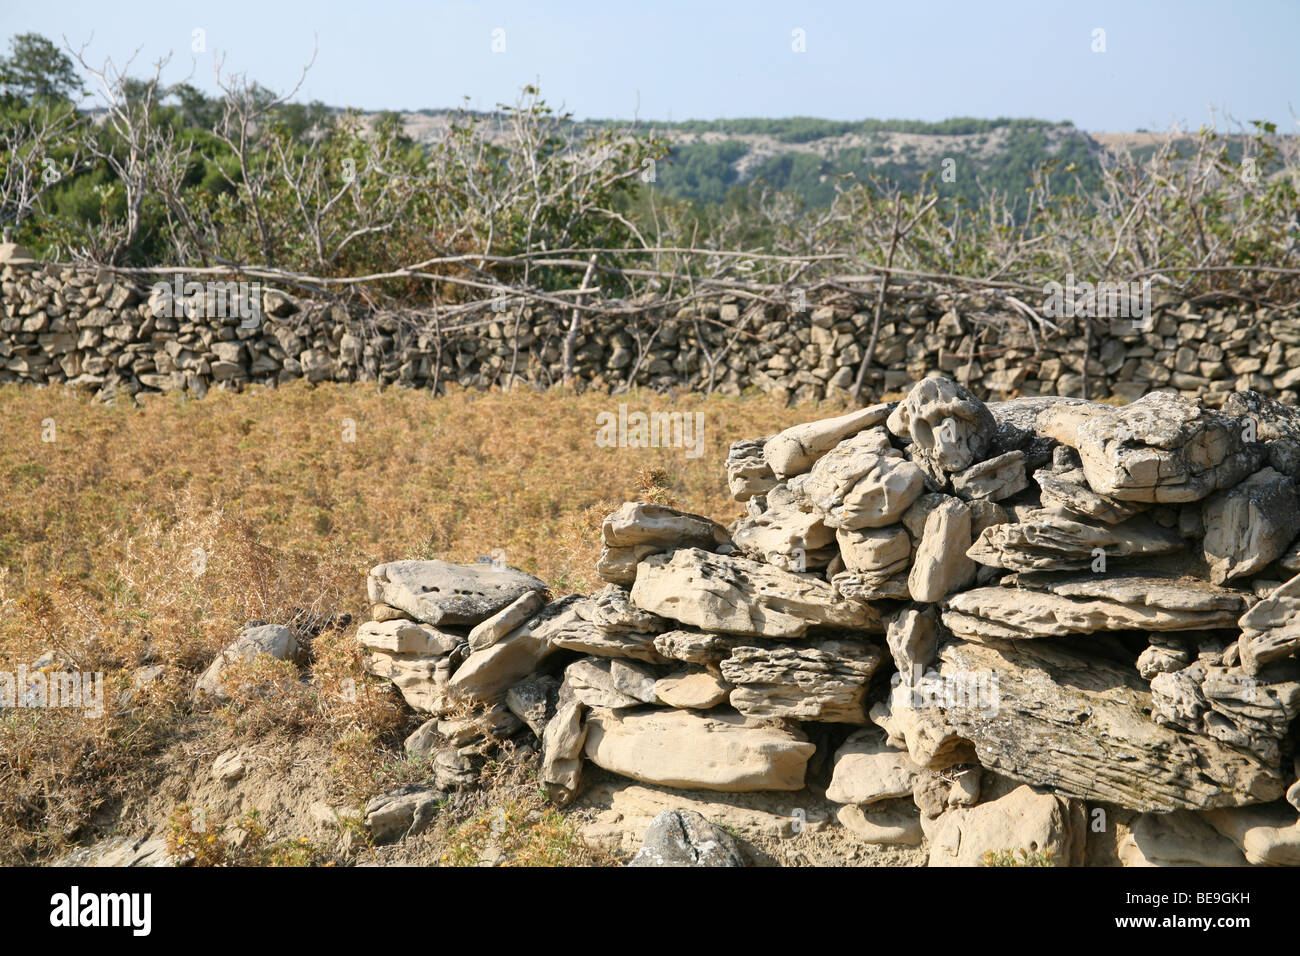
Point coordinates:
pixel 1164 61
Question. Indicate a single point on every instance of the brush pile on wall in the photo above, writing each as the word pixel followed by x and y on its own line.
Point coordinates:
pixel 99 331
pixel 1026 625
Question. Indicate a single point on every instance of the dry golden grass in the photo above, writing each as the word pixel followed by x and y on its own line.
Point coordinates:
pixel 148 535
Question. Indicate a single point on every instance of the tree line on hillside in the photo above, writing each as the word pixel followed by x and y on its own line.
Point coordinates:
pixel 249 179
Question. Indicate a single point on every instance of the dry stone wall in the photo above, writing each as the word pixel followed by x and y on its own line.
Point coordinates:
pixel 103 331
pixel 1031 626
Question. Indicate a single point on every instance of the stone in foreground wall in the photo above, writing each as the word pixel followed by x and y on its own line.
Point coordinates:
pixel 1030 625
pixel 98 330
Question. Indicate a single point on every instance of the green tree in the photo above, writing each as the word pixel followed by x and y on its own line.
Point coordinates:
pixel 37 69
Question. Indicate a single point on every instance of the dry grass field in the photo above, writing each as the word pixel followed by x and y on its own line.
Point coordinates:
pixel 144 535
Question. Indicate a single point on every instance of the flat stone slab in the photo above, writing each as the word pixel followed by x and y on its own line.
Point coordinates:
pixel 451 595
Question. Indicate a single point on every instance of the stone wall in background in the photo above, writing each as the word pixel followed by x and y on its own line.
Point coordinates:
pixel 102 331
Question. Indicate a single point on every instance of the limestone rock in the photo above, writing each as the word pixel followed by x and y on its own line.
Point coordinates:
pixel 1250 524
pixel 609 683
pixel 885 823
pixel 748 473
pixel 1022 820
pixel 449 595
pixel 734 595
pixel 941 565
pixel 484 635
pixel 404 636
pixel 863 482
pixel 1267 835
pixel 695 647
pixel 994 479
pixel 404 812
pixel 885 550
pixel 1046 541
pixel 793 451
pixel 1276 425
pixel 1017 427
pixel 785 536
pixel 1160 448
pixel 826 681
pixel 533 701
pixel 579 627
pixel 913 640
pixel 1077 724
pixel 269 640
pixel 1063 488
pixel 487 674
pixel 684 838
pixel 679 748
pixel 562 742
pixel 1052 605
pixel 950 429
pixel 698 690
pixel 1181 838
pixel 641 524
pixel 422 680
pixel 1270 630
pixel 868 770
pixel 913 720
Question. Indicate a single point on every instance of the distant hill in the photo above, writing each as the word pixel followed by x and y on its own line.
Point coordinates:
pixel 808 156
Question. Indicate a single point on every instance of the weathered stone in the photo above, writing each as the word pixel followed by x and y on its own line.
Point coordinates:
pixel 609 683
pixel 737 596
pixel 1250 524
pixel 679 748
pixel 1045 541
pixel 1077 724
pixel 1051 605
pixel 885 550
pixel 1064 489
pixel 698 690
pixel 886 823
pixel 793 451
pixel 1017 427
pixel 267 640
pixel 1160 448
pixel 785 536
pixel 1268 836
pixel 484 635
pixel 694 647
pixel 1275 424
pixel 1220 700
pixel 562 742
pixel 449 595
pixel 576 628
pixel 421 680
pixel 994 479
pixel 684 838
pixel 941 565
pixel 487 674
pixel 533 701
pixel 748 473
pixel 912 720
pixel 403 636
pixel 1181 838
pixel 404 812
pixel 1035 823
pixel 863 482
pixel 913 639
pixel 950 429
pixel 868 770
pixel 1270 630
pixel 826 681
pixel 641 524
